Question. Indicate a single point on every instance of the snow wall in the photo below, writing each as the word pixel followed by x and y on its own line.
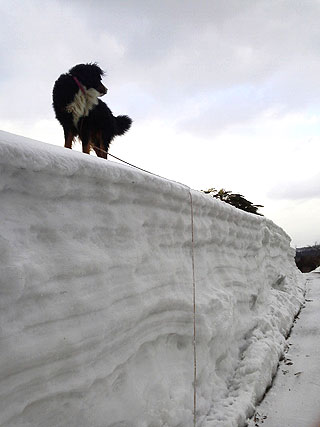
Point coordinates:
pixel 96 296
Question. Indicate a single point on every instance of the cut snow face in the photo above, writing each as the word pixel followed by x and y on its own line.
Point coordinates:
pixel 293 400
pixel 96 287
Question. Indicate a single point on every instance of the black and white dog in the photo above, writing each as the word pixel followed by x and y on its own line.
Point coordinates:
pixel 81 113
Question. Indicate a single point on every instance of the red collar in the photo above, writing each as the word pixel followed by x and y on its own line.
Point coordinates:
pixel 79 84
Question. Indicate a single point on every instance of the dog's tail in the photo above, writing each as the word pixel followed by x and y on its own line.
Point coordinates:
pixel 123 124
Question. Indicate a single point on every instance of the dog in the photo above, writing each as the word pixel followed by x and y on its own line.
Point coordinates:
pixel 81 113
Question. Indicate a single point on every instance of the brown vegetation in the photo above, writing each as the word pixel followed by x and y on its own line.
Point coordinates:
pixel 234 199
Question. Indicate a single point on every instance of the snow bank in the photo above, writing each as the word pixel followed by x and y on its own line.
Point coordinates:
pixel 96 308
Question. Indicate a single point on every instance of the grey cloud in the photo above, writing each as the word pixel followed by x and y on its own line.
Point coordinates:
pixel 298 190
pixel 180 54
pixel 232 59
pixel 215 44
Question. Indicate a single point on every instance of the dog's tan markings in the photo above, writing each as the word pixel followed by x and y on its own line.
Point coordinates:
pixel 97 144
pixel 86 148
pixel 82 104
pixel 101 152
pixel 69 140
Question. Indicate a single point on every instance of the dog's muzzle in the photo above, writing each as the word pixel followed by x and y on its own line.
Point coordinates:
pixel 102 89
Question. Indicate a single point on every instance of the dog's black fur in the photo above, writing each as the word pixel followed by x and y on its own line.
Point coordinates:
pixel 82 114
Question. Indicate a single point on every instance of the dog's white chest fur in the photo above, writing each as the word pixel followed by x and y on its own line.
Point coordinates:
pixel 82 104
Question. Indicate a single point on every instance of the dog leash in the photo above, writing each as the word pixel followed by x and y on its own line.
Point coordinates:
pixel 127 163
pixel 193 283
pixel 194 316
pixel 79 84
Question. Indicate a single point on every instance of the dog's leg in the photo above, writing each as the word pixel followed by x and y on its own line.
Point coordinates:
pixel 85 138
pixel 68 138
pixel 85 145
pixel 105 142
pixel 103 151
pixel 98 151
pixel 98 146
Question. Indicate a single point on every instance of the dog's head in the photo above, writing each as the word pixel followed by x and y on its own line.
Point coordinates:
pixel 89 75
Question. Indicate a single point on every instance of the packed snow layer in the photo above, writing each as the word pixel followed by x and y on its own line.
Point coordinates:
pixel 96 296
pixel 293 400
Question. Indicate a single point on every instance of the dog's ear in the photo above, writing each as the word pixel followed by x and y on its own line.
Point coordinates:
pixel 97 69
pixel 89 74
pixel 78 70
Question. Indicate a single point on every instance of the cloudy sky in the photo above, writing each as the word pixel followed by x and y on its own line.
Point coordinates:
pixel 223 94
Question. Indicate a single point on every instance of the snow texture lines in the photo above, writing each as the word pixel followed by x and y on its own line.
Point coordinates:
pixel 96 307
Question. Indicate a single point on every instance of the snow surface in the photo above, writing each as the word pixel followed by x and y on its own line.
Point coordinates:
pixel 293 400
pixel 96 289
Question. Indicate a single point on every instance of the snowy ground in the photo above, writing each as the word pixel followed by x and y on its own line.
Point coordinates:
pixel 293 400
pixel 96 296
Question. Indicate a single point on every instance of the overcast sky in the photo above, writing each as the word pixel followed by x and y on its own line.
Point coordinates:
pixel 222 93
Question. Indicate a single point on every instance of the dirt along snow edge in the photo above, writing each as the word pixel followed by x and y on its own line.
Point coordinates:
pixel 293 400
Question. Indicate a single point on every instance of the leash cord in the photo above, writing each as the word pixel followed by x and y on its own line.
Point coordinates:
pixel 193 284
pixel 134 166
pixel 127 163
pixel 194 316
